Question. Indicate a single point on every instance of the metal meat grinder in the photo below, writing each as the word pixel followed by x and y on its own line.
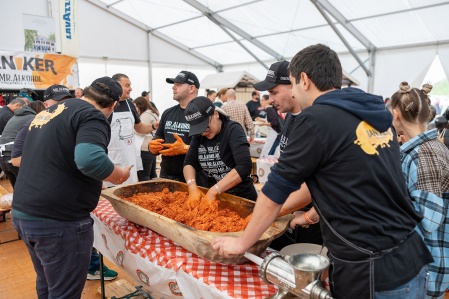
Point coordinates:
pixel 298 274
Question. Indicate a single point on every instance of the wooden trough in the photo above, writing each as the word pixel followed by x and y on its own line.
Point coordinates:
pixel 196 241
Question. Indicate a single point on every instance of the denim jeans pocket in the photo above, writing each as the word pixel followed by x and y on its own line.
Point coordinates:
pixel 48 246
pixel 396 293
pixel 84 226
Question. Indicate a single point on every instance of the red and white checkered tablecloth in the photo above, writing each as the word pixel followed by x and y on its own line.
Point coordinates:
pixel 167 269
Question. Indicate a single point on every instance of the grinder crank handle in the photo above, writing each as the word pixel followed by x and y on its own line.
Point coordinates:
pixel 253 258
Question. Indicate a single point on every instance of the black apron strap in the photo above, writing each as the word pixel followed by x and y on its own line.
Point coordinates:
pixel 349 279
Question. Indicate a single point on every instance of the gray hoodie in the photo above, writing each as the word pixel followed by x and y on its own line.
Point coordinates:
pixel 21 116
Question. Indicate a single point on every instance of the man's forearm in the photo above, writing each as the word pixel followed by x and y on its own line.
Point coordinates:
pixel 265 212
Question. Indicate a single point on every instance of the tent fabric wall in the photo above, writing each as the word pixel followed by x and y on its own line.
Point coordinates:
pixel 443 53
pixel 104 35
pixel 116 38
pixel 395 66
pixel 164 53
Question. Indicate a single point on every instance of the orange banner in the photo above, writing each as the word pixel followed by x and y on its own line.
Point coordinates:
pixel 37 71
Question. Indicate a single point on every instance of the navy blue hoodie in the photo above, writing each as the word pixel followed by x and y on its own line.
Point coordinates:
pixel 366 106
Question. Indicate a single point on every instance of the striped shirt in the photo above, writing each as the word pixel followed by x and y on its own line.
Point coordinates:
pixel 238 112
pixel 425 166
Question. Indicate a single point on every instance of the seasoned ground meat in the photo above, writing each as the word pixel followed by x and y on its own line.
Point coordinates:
pixel 204 216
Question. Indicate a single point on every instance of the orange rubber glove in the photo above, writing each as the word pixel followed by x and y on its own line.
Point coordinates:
pixel 155 146
pixel 195 196
pixel 176 148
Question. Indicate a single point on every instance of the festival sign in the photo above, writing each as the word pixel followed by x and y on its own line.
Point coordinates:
pixel 68 25
pixel 39 34
pixel 37 70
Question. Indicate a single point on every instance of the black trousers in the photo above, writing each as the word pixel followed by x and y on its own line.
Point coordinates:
pixel 10 170
pixel 149 167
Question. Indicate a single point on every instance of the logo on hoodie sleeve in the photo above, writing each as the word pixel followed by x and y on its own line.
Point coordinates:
pixel 369 138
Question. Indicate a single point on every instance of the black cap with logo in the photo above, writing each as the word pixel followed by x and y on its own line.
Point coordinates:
pixel 108 86
pixel 56 92
pixel 185 77
pixel 277 74
pixel 197 114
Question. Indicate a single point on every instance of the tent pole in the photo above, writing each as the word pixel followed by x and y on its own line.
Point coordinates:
pixel 150 64
pixel 372 64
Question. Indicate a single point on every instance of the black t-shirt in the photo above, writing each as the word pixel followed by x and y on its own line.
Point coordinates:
pixel 312 234
pixel 273 117
pixel 173 121
pixel 254 109
pixel 49 184
pixel 286 130
pixel 216 157
pixel 123 107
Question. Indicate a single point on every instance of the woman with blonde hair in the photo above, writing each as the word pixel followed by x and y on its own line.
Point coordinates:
pixel 148 115
pixel 425 166
pixel 221 97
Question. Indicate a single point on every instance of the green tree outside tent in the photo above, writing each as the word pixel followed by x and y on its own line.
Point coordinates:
pixel 51 37
pixel 29 39
pixel 441 88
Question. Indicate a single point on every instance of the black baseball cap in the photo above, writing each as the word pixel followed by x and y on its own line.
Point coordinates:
pixel 185 77
pixel 56 92
pixel 197 114
pixel 441 122
pixel 144 93
pixel 277 74
pixel 108 86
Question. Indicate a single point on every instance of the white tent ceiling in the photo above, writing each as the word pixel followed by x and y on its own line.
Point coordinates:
pixel 242 31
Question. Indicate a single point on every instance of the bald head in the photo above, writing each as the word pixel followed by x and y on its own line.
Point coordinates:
pixel 230 94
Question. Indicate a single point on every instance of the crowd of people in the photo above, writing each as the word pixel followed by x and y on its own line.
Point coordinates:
pixel 367 179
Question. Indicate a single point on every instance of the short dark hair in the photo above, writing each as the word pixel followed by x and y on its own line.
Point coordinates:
pixel 210 92
pixel 321 64
pixel 118 76
pixel 103 100
pixel 266 97
pixel 254 93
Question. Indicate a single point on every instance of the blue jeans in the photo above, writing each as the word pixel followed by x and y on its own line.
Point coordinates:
pixel 413 289
pixel 60 252
pixel 94 264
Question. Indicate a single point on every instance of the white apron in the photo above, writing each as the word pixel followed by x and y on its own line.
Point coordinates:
pixel 121 149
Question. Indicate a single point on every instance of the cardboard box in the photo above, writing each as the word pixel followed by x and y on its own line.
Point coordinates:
pixel 255 148
pixel 264 167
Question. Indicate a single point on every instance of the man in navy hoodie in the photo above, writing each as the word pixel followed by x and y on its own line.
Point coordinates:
pixel 344 147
